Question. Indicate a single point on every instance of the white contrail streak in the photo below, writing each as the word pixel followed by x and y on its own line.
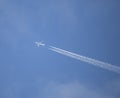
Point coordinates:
pixel 98 63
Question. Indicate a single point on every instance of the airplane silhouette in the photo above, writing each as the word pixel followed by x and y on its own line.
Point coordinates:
pixel 39 44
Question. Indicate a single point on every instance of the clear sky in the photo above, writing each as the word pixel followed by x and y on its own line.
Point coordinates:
pixel 87 27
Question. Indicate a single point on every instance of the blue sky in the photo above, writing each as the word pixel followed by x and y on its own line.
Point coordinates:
pixel 87 27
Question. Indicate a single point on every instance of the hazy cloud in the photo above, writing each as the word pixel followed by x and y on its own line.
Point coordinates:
pixel 71 90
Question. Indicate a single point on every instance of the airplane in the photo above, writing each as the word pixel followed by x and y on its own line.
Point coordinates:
pixel 39 44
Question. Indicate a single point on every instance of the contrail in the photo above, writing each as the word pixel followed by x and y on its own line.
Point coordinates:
pixel 94 62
